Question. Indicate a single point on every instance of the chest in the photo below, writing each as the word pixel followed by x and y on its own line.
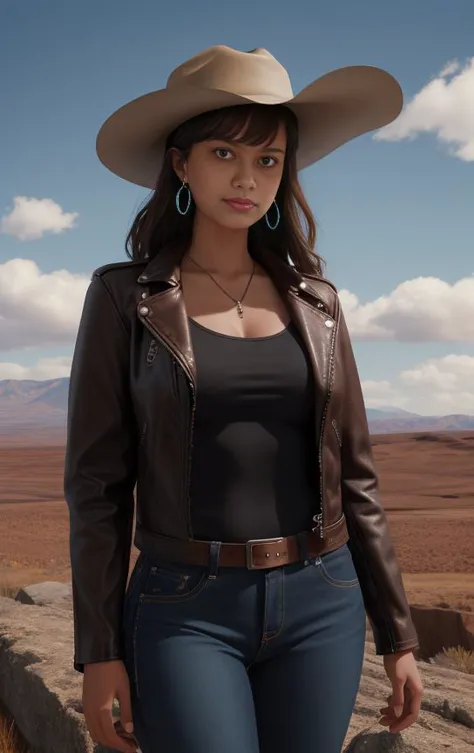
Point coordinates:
pixel 262 378
pixel 232 310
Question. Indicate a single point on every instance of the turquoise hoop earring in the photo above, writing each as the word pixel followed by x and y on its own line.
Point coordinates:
pixel 277 222
pixel 178 196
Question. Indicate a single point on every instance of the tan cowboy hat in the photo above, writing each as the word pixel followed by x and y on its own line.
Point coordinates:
pixel 334 109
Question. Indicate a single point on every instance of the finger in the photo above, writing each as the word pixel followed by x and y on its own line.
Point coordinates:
pixel 403 723
pixel 415 693
pixel 108 735
pixel 398 693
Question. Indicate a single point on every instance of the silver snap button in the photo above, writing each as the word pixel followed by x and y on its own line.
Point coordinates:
pixel 329 323
pixel 143 295
pixel 303 285
pixel 319 305
pixel 267 554
pixel 144 310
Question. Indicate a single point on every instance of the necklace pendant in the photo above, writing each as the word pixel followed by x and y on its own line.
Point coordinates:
pixel 240 310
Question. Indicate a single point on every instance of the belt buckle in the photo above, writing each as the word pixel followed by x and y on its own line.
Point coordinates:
pixel 248 550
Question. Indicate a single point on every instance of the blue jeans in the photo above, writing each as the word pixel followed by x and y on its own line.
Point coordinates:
pixel 250 661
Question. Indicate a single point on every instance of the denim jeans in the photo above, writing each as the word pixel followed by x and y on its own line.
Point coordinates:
pixel 248 661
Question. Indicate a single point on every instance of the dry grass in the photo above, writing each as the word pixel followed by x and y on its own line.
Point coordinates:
pixel 10 739
pixel 457 658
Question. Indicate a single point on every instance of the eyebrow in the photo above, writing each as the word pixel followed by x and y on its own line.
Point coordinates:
pixel 264 149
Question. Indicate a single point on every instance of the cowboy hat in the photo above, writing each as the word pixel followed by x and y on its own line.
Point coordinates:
pixel 335 108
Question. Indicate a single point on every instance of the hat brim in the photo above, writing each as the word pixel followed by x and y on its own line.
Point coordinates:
pixel 337 107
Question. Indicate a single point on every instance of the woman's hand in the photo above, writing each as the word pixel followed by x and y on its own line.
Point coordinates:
pixel 407 689
pixel 103 683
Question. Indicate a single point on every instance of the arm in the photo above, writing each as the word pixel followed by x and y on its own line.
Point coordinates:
pixel 99 477
pixel 370 542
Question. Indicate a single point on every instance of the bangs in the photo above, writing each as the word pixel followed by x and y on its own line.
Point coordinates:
pixel 247 124
pixel 252 124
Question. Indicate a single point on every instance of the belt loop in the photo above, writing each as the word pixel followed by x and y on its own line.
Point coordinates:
pixel 303 547
pixel 214 553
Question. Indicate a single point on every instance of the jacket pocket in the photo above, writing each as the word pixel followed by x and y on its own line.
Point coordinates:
pixel 336 431
pixel 152 351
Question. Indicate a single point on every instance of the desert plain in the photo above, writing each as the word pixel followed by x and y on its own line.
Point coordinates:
pixel 426 484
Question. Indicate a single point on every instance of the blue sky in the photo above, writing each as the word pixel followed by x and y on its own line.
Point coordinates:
pixel 395 213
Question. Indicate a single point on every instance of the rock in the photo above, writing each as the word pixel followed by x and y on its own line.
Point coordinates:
pixel 37 683
pixel 380 742
pixel 40 687
pixel 440 628
pixel 49 593
pixel 446 721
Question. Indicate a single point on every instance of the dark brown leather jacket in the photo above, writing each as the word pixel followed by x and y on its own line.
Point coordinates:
pixel 130 422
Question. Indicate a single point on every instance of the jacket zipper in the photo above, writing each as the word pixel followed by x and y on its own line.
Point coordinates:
pixel 319 518
pixel 177 358
pixel 189 444
pixel 336 431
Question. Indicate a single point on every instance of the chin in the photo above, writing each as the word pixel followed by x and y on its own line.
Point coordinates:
pixel 238 222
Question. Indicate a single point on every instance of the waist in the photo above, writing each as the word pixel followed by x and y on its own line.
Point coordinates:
pixel 255 554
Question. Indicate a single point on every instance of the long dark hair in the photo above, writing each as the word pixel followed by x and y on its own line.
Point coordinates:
pixel 158 224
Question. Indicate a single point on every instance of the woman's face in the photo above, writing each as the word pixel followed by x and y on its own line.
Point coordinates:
pixel 218 172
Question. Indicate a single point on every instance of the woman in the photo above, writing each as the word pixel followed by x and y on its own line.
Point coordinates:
pixel 215 372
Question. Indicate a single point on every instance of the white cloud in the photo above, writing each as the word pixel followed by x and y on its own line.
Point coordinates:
pixel 444 107
pixel 437 386
pixel 38 309
pixel 31 218
pixel 43 309
pixel 45 368
pixel 419 310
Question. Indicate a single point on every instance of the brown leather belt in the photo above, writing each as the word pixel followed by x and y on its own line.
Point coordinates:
pixel 256 554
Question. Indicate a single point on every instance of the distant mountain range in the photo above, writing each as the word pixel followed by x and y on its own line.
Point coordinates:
pixel 28 404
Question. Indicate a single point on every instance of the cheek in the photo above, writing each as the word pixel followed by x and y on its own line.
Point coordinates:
pixel 206 185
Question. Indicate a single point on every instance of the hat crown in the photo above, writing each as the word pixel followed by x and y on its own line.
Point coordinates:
pixel 248 74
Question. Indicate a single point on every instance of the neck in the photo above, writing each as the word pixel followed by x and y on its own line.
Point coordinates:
pixel 219 250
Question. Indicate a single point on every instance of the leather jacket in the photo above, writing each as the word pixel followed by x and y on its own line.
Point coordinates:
pixel 130 428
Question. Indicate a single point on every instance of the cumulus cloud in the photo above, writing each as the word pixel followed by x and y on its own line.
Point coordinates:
pixel 38 309
pixel 43 309
pixel 419 310
pixel 440 386
pixel 444 107
pixel 42 370
pixel 31 218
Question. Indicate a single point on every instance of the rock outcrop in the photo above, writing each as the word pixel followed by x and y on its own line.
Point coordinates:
pixel 43 692
pixel 440 628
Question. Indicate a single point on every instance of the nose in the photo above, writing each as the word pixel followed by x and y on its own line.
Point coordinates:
pixel 244 178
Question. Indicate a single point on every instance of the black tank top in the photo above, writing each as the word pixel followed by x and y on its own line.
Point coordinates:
pixel 253 470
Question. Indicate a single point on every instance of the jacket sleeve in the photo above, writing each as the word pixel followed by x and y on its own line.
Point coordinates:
pixel 99 476
pixel 370 541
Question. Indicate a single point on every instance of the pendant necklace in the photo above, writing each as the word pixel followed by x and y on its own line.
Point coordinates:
pixel 238 302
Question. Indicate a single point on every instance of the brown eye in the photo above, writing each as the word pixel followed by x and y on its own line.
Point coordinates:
pixel 274 162
pixel 219 151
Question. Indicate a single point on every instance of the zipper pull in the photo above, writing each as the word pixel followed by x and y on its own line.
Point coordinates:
pixel 318 519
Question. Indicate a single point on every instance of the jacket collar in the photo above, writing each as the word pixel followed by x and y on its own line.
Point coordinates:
pixel 164 268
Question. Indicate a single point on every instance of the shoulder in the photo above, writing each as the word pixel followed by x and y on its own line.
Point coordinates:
pixel 119 280
pixel 119 268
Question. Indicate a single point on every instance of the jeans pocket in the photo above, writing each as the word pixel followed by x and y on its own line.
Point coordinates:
pixel 337 568
pixel 172 582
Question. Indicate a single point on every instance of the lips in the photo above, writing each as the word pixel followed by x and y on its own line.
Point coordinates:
pixel 240 203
